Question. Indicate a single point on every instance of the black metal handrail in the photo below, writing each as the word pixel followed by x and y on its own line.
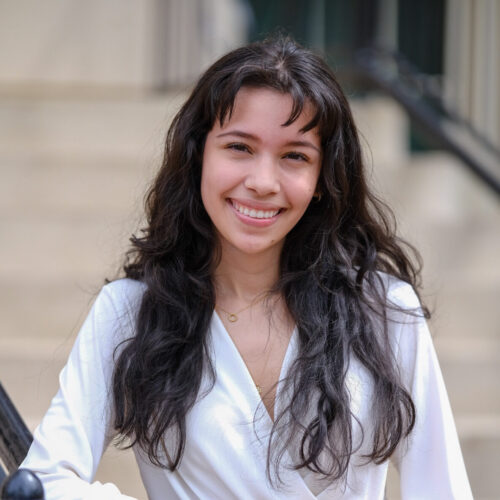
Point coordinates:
pixel 15 437
pixel 15 440
pixel 392 74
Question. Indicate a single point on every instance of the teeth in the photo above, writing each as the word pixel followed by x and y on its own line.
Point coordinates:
pixel 256 214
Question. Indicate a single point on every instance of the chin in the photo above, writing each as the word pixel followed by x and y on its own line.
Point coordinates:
pixel 253 248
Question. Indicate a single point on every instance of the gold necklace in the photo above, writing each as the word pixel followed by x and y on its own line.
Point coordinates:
pixel 266 361
pixel 233 317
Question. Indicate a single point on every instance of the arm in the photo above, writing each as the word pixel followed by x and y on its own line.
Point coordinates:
pixel 430 462
pixel 69 442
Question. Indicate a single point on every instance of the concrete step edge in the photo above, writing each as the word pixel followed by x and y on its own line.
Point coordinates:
pixel 461 349
pixel 469 426
pixel 453 349
pixel 480 426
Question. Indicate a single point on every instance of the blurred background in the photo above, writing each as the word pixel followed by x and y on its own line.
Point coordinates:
pixel 87 90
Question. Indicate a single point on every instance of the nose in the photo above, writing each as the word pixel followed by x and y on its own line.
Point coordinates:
pixel 263 176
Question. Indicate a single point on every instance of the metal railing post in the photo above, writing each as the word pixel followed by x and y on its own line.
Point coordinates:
pixel 22 485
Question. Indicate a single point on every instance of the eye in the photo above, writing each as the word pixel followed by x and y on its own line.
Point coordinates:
pixel 294 155
pixel 238 146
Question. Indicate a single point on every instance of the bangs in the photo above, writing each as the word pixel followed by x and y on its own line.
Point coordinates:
pixel 325 116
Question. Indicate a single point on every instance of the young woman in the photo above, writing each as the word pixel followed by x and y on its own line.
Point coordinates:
pixel 267 341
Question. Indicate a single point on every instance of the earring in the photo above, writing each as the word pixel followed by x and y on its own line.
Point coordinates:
pixel 317 196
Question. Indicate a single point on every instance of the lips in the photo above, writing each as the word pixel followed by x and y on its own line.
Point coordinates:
pixel 254 213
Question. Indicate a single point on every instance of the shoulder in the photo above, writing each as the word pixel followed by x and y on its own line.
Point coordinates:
pixel 112 317
pixel 118 304
pixel 407 327
pixel 125 294
pixel 404 316
pixel 398 293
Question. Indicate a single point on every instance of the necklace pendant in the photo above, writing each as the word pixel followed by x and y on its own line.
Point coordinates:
pixel 232 318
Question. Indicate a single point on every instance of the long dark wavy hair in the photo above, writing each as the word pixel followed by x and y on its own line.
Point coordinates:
pixel 330 278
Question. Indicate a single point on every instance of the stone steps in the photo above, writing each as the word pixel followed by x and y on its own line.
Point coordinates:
pixel 116 124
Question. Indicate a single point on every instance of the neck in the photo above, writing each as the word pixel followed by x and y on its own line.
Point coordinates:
pixel 241 278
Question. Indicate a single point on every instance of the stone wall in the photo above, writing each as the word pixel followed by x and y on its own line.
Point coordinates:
pixel 114 43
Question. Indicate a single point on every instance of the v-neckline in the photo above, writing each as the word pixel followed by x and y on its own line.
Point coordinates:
pixel 244 368
pixel 251 394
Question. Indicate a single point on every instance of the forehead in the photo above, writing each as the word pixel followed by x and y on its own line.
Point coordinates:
pixel 267 109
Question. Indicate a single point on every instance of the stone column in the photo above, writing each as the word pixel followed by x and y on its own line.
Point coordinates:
pixel 472 63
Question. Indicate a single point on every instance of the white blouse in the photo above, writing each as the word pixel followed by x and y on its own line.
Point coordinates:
pixel 227 429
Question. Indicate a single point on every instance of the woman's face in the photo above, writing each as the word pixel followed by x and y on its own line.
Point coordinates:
pixel 258 177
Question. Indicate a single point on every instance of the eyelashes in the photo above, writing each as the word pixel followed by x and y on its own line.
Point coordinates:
pixel 243 148
pixel 238 146
pixel 296 156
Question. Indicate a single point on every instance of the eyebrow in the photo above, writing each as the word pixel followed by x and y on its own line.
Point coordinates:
pixel 246 135
pixel 305 144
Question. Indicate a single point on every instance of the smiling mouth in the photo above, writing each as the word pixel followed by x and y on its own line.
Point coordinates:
pixel 253 213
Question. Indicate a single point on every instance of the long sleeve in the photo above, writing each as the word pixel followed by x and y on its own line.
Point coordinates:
pixel 69 442
pixel 430 462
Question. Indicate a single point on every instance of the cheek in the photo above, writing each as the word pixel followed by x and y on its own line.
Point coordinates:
pixel 303 190
pixel 218 176
pixel 208 176
pixel 216 181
